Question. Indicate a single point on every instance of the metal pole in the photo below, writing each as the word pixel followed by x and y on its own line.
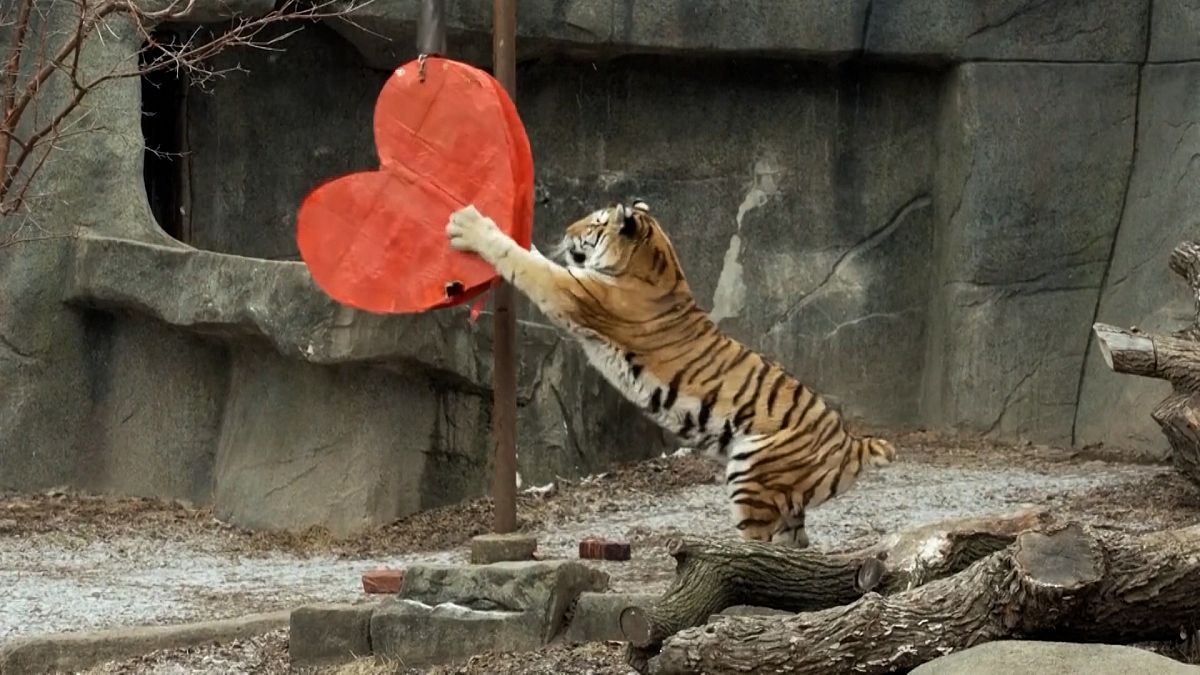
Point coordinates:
pixel 431 28
pixel 504 378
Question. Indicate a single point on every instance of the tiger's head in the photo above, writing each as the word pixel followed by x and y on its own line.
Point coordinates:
pixel 622 241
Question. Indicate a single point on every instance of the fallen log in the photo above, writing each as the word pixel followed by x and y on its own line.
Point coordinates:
pixel 1065 583
pixel 713 575
pixel 1175 359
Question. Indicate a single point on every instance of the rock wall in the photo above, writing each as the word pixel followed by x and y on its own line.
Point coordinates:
pixel 919 206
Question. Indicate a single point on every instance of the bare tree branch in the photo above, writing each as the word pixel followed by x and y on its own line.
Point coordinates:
pixel 25 145
pixel 8 81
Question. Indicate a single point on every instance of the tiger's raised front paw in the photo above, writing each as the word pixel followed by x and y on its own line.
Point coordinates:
pixel 471 231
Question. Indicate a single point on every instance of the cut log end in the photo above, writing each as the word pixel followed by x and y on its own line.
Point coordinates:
pixel 1125 352
pixel 1158 356
pixel 1066 559
pixel 636 626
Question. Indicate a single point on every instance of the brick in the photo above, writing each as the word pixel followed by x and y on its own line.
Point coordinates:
pixel 594 548
pixel 383 581
pixel 493 548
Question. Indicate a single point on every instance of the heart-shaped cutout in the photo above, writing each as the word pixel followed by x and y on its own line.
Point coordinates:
pixel 447 135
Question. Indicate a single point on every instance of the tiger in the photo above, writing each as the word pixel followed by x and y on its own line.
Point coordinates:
pixel 620 291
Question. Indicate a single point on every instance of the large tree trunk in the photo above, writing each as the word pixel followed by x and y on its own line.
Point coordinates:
pixel 1066 582
pixel 714 575
pixel 1175 359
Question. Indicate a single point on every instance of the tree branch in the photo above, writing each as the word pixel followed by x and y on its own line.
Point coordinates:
pixel 8 81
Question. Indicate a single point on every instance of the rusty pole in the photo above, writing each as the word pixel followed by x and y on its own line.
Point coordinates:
pixel 504 378
pixel 431 28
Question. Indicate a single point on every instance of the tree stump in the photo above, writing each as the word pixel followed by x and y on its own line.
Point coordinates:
pixel 1064 582
pixel 1174 358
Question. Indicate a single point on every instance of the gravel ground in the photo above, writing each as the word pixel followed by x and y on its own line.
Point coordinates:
pixel 71 562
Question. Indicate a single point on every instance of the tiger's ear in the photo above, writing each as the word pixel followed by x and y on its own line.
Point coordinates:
pixel 641 205
pixel 629 227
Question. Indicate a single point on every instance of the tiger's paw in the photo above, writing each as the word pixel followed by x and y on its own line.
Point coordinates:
pixel 472 232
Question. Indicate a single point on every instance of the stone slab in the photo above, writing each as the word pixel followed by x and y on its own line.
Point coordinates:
pixel 72 652
pixel 237 297
pixel 418 634
pixel 543 589
pixel 328 634
pixel 494 548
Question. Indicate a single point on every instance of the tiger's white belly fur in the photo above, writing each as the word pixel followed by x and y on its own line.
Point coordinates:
pixel 611 363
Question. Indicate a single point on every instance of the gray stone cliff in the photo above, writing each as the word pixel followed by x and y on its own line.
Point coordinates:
pixel 918 206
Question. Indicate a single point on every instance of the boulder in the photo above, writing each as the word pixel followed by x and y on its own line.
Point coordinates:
pixel 1006 657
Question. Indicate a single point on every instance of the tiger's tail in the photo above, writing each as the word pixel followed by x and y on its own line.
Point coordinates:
pixel 876 451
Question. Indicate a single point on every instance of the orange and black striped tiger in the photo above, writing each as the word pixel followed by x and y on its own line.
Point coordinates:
pixel 622 293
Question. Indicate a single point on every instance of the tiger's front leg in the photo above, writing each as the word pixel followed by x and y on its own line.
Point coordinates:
pixel 536 277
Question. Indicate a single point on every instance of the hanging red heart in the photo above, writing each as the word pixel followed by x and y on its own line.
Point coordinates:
pixel 447 135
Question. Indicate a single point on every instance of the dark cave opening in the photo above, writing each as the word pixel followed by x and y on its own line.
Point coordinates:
pixel 164 129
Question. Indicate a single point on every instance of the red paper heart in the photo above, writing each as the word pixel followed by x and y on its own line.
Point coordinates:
pixel 376 240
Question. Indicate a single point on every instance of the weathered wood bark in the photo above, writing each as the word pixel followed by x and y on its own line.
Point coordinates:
pixel 1185 261
pixel 1065 582
pixel 713 575
pixel 1167 358
pixel 1174 358
pixel 1161 357
pixel 1179 418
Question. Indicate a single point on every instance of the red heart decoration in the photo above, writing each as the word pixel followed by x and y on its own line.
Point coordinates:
pixel 447 135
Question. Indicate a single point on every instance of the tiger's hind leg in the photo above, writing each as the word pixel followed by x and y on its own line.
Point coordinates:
pixel 790 528
pixel 755 519
pixel 772 518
